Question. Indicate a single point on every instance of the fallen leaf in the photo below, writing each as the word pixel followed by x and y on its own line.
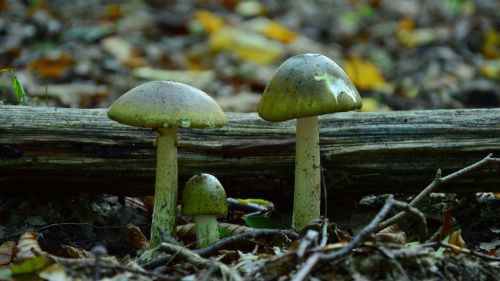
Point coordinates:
pixel 54 272
pixel 391 234
pixel 491 45
pixel 491 69
pixel 410 36
pixel 271 29
pixel 76 252
pixel 26 245
pixel 209 21
pixel 7 252
pixel 246 45
pixel 250 8
pixel 136 238
pixel 364 74
pixel 456 239
pixel 51 67
pixel 30 265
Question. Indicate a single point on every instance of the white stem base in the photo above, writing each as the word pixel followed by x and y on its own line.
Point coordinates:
pixel 207 231
pixel 165 202
pixel 307 191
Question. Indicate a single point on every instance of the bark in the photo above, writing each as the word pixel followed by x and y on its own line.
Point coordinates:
pixel 73 150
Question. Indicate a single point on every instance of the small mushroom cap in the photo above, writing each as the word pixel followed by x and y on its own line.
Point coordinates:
pixel 204 195
pixel 307 85
pixel 165 104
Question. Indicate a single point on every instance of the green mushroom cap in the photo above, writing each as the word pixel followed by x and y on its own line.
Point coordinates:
pixel 204 195
pixel 307 85
pixel 166 104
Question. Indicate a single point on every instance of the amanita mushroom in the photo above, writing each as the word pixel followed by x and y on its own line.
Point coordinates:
pixel 165 106
pixel 204 198
pixel 302 88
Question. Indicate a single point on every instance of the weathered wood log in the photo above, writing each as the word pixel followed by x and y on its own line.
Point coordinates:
pixel 74 150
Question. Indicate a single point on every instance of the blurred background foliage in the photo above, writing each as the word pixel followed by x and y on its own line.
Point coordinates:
pixel 400 54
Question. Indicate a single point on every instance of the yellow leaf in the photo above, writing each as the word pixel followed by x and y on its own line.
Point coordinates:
pixel 456 239
pixel 246 45
pixel 276 31
pixel 371 105
pixel 364 74
pixel 210 21
pixel 491 69
pixel 491 47
pixel 271 29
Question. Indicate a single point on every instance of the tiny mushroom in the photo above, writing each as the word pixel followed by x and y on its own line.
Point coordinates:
pixel 165 106
pixel 204 198
pixel 302 88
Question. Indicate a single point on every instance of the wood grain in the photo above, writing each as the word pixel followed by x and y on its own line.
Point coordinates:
pixel 73 150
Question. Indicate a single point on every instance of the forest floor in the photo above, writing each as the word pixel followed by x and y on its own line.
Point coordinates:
pixel 401 55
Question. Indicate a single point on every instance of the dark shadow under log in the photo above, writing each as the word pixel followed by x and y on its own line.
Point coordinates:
pixel 73 150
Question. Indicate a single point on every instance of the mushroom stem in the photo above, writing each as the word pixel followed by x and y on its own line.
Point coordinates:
pixel 165 201
pixel 207 231
pixel 307 192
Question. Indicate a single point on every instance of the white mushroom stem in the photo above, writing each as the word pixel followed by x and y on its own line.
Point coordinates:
pixel 207 231
pixel 307 192
pixel 165 202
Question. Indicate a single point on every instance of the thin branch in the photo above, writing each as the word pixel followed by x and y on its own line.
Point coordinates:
pixel 313 260
pixel 460 250
pixel 438 181
pixel 196 260
pixel 307 267
pixel 417 215
pixel 229 242
pixel 363 234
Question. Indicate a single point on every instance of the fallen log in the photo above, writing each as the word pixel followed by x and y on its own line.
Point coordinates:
pixel 73 150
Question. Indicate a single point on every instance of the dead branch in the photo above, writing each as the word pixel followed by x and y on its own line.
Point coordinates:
pixel 437 182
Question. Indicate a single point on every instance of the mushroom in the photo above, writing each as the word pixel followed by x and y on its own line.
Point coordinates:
pixel 302 88
pixel 204 198
pixel 165 106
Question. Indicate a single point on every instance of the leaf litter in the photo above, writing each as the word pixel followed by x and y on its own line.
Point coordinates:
pixel 398 58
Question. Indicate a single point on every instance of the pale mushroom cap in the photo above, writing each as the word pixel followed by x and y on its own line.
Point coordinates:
pixel 165 104
pixel 204 195
pixel 307 85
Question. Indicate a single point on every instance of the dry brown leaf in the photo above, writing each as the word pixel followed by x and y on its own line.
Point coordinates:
pixel 27 245
pixel 136 238
pixel 51 67
pixel 76 252
pixel 456 239
pixel 391 234
pixel 7 252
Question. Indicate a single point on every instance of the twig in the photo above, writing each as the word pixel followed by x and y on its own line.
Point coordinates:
pixel 311 262
pixel 156 262
pixel 196 260
pixel 459 249
pixel 417 215
pixel 90 262
pixel 247 207
pixel 438 181
pixel 307 267
pixel 228 242
pixel 363 234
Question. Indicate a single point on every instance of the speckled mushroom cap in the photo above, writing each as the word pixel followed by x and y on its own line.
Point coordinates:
pixel 204 195
pixel 165 104
pixel 307 85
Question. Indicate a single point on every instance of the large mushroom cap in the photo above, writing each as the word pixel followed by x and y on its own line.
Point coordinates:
pixel 204 195
pixel 307 85
pixel 165 104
